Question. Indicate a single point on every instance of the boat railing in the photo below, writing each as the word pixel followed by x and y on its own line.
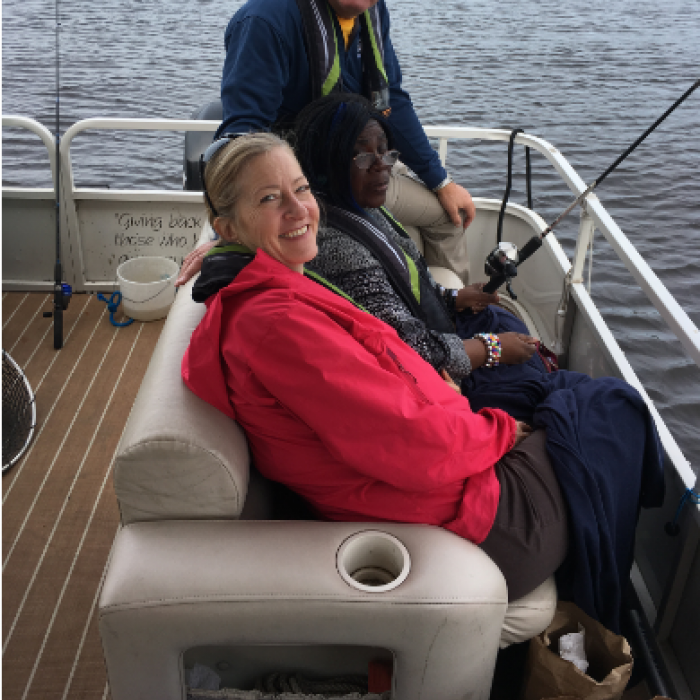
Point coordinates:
pixel 14 120
pixel 593 217
pixel 49 140
pixel 660 297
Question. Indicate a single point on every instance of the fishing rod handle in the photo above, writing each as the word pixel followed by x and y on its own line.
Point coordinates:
pixel 534 244
pixel 495 282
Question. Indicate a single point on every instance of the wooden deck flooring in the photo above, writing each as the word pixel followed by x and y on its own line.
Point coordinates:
pixel 60 514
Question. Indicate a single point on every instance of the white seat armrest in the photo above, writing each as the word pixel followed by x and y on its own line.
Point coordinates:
pixel 182 585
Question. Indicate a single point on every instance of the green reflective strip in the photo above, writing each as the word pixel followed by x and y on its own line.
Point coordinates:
pixel 398 223
pixel 230 248
pixel 412 269
pixel 334 75
pixel 415 277
pixel 375 48
pixel 325 283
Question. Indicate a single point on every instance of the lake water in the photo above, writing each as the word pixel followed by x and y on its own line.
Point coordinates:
pixel 588 78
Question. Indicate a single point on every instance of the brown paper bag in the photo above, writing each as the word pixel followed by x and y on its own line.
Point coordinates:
pixel 547 675
pixel 624 697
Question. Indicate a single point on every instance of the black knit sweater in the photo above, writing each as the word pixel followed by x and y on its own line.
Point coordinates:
pixel 351 267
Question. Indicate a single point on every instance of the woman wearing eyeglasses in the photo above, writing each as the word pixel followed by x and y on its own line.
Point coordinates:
pixel 345 149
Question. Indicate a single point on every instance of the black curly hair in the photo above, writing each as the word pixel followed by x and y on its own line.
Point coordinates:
pixel 325 133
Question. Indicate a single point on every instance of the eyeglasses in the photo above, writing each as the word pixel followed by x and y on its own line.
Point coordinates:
pixel 211 151
pixel 364 161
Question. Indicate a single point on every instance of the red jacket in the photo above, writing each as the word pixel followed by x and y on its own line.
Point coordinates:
pixel 339 409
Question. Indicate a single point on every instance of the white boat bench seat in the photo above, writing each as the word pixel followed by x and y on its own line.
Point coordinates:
pixel 208 558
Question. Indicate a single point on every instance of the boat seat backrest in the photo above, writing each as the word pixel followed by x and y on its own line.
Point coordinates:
pixel 179 457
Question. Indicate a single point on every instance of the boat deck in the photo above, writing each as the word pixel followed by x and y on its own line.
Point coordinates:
pixel 60 514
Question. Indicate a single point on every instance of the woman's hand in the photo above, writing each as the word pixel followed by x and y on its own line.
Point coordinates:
pixel 522 431
pixel 516 348
pixel 471 297
pixel 449 380
pixel 192 264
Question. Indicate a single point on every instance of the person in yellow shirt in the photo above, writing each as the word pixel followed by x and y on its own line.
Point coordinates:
pixel 283 54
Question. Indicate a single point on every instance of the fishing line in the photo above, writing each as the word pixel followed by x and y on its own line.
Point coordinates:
pixel 61 291
pixel 503 265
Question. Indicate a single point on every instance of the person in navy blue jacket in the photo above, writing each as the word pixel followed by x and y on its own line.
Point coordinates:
pixel 267 80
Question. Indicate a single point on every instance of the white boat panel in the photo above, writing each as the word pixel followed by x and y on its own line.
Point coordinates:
pixel 90 194
pixel 28 240
pixel 539 284
pixel 111 232
pixel 31 193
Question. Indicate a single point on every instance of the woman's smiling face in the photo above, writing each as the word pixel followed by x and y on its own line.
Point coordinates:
pixel 369 186
pixel 275 211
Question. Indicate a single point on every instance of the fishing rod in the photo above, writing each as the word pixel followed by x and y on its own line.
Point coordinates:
pixel 502 263
pixel 61 291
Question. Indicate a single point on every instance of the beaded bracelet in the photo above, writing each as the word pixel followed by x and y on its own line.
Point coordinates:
pixel 493 348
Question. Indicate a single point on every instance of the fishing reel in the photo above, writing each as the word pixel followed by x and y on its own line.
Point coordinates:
pixel 501 266
pixel 61 298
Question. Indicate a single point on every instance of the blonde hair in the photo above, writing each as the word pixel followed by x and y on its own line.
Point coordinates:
pixel 224 172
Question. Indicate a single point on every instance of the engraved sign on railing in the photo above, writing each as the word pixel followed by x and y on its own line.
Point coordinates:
pixel 113 232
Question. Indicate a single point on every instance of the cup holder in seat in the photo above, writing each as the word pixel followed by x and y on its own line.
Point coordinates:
pixel 373 561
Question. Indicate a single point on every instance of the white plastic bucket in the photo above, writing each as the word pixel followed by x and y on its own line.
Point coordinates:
pixel 147 286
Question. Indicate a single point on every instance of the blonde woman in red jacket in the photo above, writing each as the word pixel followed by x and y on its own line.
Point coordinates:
pixel 335 405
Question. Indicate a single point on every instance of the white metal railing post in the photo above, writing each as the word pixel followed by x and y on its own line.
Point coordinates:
pixel 586 231
pixel 102 123
pixel 74 273
pixel 13 120
pixel 72 266
pixel 443 152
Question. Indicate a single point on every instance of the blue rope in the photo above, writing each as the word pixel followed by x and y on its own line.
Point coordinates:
pixel 112 306
pixel 673 528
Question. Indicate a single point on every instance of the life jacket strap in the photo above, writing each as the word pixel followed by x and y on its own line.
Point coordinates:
pixel 324 63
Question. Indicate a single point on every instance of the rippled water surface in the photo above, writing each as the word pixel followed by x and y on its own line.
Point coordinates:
pixel 589 78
